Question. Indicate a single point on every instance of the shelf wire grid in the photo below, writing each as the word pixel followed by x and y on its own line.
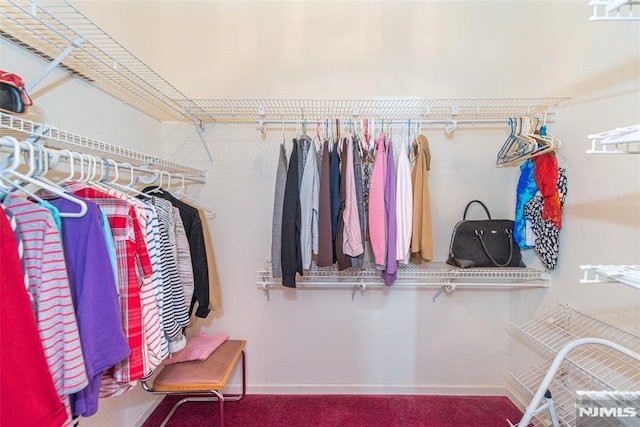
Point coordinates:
pixel 439 110
pixel 626 274
pixel 425 274
pixel 48 27
pixel 18 127
pixel 615 10
pixel 605 366
pixel 563 389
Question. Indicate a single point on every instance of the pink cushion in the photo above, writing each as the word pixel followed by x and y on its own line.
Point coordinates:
pixel 199 347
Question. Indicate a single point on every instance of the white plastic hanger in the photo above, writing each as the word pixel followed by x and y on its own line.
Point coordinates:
pixel 12 172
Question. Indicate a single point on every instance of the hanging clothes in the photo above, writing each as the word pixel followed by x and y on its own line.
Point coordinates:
pixel 276 223
pixel 352 244
pixel 391 268
pixel 344 260
pixel 214 289
pixel 526 190
pixel 173 310
pixel 309 206
pixel 357 171
pixel 51 295
pixel 133 265
pixel 334 180
pixel 183 257
pixel 547 233
pixel 195 235
pixel 546 174
pixel 290 246
pixel 95 300
pixel 28 393
pixel 421 235
pixel 404 206
pixel 325 232
pixel 377 211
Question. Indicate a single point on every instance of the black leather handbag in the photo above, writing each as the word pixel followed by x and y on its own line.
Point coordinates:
pixel 484 243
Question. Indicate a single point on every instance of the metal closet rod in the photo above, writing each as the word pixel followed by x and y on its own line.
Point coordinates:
pixel 450 124
pixel 108 162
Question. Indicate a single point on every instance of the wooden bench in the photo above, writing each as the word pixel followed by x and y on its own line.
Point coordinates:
pixel 197 378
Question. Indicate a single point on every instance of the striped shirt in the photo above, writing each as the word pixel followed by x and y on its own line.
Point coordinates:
pixel 175 307
pixel 49 286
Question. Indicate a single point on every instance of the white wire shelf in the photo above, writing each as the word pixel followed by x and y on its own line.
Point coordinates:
pixel 48 27
pixel 622 140
pixel 477 110
pixel 615 10
pixel 604 366
pixel 626 274
pixel 563 390
pixel 21 128
pixel 425 275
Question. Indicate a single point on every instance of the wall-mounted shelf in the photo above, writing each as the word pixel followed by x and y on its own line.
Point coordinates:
pixel 472 111
pixel 589 355
pixel 626 274
pixel 562 388
pixel 623 140
pixel 553 330
pixel 56 30
pixel 49 27
pixel 21 128
pixel 434 275
pixel 615 10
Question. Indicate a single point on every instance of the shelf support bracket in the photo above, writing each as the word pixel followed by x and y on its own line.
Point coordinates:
pixel 53 64
pixel 265 289
pixel 448 288
pixel 200 130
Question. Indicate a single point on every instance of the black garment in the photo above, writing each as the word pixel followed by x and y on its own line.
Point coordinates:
pixel 334 185
pixel 344 260
pixel 291 253
pixel 193 228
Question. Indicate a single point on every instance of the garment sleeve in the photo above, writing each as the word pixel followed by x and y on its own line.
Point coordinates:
pixel 200 270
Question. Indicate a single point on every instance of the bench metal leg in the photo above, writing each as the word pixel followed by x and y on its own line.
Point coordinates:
pixel 219 397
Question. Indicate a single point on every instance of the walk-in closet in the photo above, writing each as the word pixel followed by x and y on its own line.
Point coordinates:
pixel 283 182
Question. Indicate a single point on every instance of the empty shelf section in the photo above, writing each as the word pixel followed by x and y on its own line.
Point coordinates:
pixel 608 368
pixel 479 109
pixel 626 274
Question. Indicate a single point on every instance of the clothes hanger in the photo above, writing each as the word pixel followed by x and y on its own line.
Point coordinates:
pixel 41 184
pixel 180 194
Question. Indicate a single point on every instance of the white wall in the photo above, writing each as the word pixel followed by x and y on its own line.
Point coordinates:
pixel 398 341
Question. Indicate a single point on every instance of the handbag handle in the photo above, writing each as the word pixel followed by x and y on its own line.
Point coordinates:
pixel 479 233
pixel 464 217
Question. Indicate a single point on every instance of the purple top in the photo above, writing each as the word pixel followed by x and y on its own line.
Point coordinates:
pixel 95 299
pixel 389 275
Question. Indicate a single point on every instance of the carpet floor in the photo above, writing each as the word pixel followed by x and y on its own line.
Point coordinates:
pixel 344 411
